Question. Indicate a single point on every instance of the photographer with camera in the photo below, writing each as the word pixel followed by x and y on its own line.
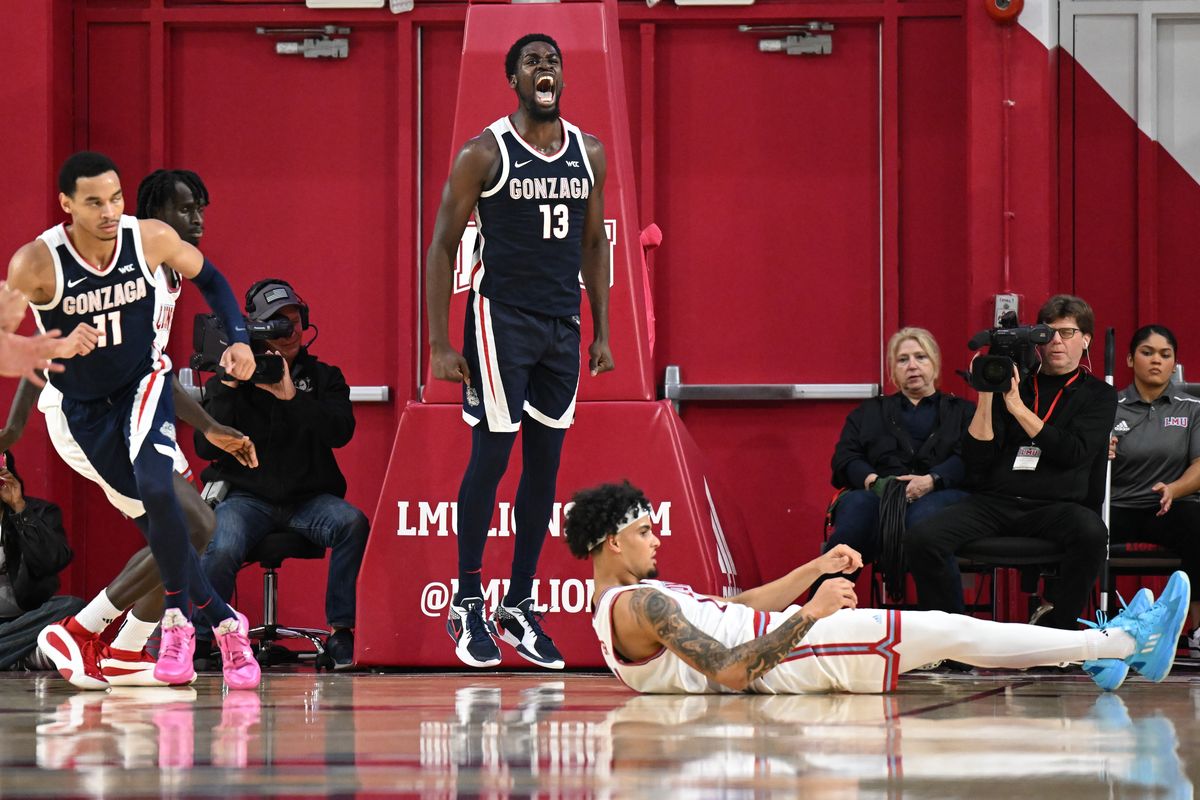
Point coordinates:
pixel 297 417
pixel 1032 451
pixel 898 459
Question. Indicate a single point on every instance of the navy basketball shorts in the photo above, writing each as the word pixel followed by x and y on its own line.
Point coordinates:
pixel 521 363
pixel 101 438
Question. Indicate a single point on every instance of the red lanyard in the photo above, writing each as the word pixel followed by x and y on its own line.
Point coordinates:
pixel 1050 410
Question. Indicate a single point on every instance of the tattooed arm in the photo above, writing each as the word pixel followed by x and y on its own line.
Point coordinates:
pixel 647 615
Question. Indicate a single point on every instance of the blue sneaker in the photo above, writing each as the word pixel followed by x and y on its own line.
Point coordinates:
pixel 1109 673
pixel 1156 631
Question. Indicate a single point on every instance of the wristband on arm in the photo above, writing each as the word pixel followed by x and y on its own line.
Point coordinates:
pixel 219 296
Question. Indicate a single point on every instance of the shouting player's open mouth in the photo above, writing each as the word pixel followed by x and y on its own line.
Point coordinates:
pixel 543 90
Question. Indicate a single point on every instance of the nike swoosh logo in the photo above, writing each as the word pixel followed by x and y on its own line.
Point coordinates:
pixel 76 282
pixel 520 164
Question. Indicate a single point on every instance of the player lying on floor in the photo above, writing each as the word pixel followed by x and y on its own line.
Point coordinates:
pixel 658 636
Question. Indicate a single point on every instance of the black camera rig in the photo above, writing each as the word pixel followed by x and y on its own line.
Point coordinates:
pixel 1009 344
pixel 210 340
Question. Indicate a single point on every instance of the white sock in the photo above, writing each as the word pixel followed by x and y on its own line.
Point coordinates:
pixel 133 634
pixel 173 618
pixel 227 626
pixel 98 614
pixel 929 636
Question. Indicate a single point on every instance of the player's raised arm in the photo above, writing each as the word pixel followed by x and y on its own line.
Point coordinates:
pixel 475 165
pixel 782 592
pixel 162 244
pixel 596 255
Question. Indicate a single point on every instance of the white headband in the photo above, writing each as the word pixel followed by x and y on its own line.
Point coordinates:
pixel 635 512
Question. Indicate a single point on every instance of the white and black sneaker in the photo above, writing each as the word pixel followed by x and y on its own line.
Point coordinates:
pixel 521 626
pixel 473 642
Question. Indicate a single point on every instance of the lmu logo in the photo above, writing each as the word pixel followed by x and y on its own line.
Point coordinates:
pixel 423 518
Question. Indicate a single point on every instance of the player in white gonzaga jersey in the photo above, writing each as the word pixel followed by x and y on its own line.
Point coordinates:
pixel 664 637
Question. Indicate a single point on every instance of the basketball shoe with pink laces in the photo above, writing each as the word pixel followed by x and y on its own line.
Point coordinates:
pixel 175 651
pixel 237 657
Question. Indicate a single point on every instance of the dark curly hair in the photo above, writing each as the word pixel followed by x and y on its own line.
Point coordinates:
pixel 159 186
pixel 514 52
pixel 596 512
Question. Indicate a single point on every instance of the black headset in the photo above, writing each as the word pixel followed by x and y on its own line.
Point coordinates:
pixel 256 301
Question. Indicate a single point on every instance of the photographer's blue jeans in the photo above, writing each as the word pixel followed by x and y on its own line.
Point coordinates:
pixel 244 519
pixel 18 636
pixel 856 523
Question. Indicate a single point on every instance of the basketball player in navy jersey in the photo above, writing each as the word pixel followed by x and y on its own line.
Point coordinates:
pixel 536 186
pixel 124 661
pixel 97 278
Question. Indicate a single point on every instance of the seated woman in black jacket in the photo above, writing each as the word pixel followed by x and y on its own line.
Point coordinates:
pixel 911 436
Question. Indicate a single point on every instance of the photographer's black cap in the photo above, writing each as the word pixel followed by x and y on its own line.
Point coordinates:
pixel 267 297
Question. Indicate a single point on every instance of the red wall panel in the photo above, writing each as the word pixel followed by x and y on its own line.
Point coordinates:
pixel 933 241
pixel 1105 141
pixel 36 137
pixel 441 51
pixel 303 167
pixel 768 198
pixel 1178 200
pixel 116 97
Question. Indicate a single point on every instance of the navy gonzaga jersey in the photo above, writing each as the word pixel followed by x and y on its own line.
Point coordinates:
pixel 531 224
pixel 119 300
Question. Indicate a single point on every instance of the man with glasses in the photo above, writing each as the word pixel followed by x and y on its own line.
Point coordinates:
pixel 1031 453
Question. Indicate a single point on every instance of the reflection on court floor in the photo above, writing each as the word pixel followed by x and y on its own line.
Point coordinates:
pixel 505 735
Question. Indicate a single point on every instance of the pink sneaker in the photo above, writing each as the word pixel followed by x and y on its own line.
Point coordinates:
pixel 176 737
pixel 237 658
pixel 231 738
pixel 175 652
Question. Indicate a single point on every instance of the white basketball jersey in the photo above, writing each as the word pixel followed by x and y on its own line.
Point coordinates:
pixel 852 650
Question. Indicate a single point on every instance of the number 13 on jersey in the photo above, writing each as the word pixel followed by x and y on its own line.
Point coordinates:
pixel 561 222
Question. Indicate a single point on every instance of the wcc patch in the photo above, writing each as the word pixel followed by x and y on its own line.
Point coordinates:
pixel 1175 422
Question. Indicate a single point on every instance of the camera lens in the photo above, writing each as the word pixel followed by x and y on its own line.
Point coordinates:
pixel 996 371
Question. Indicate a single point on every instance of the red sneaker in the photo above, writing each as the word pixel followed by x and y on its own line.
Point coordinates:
pixel 75 656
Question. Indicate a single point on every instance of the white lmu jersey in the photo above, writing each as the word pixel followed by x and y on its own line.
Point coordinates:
pixel 167 285
pixel 853 650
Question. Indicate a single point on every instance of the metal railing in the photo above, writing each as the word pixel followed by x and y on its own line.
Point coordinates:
pixel 675 390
